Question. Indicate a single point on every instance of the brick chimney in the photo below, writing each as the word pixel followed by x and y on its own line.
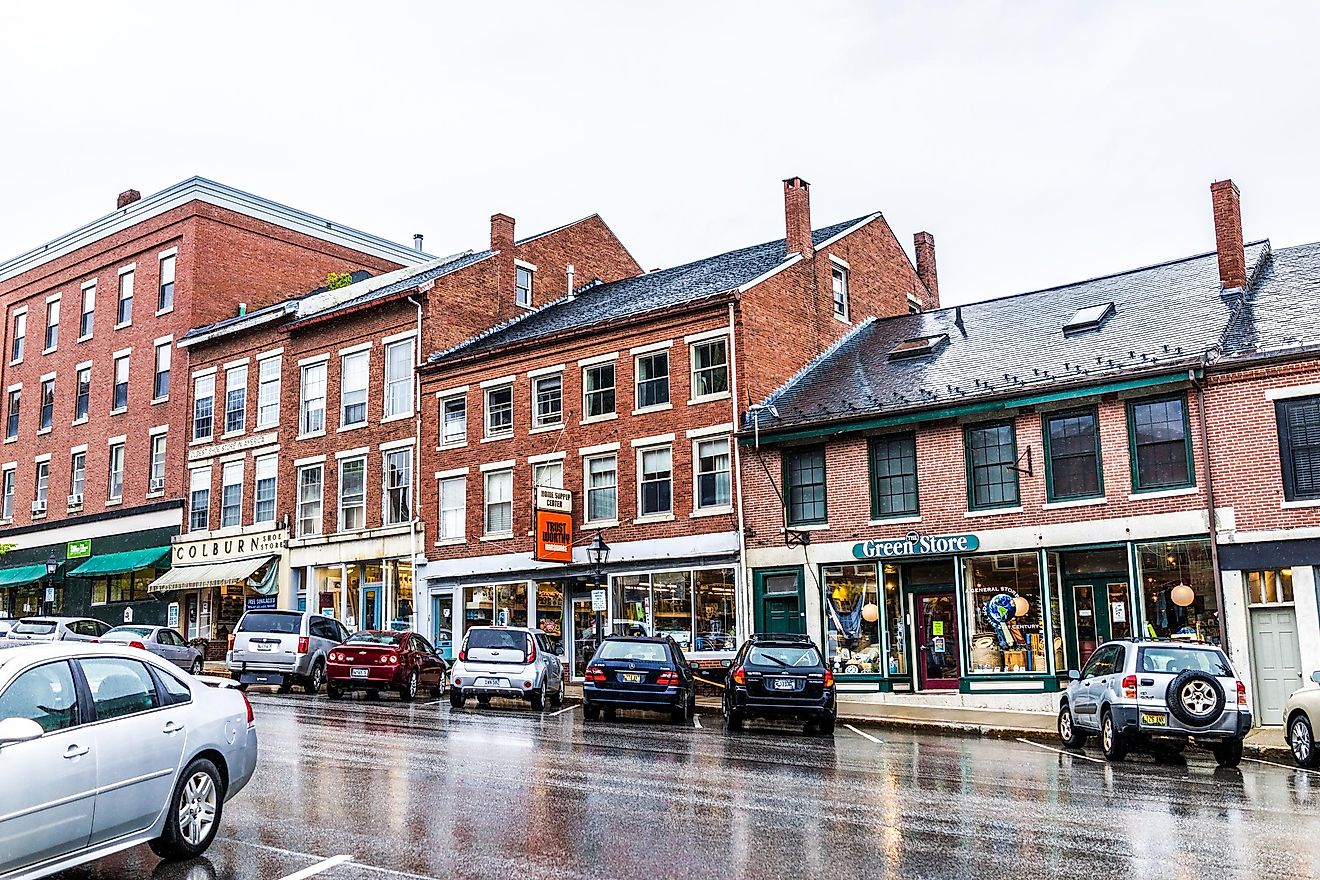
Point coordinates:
pixel 1228 235
pixel 501 240
pixel 127 197
pixel 925 247
pixel 797 217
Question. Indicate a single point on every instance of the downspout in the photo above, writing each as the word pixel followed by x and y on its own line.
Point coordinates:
pixel 742 611
pixel 416 466
pixel 1199 385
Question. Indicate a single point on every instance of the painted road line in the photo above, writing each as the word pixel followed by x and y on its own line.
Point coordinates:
pixel 1060 751
pixel 1284 766
pixel 392 872
pixel 434 703
pixel 568 708
pixel 863 734
pixel 696 721
pixel 318 868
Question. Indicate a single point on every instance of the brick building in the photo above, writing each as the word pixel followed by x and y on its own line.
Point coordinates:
pixel 623 397
pixel 302 444
pixel 95 397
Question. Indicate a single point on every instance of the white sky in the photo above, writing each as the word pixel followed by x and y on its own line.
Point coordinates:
pixel 1040 142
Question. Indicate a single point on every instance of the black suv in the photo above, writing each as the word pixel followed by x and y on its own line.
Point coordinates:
pixel 639 672
pixel 780 675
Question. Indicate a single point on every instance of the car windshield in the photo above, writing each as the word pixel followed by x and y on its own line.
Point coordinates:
pixel 497 640
pixel 650 652
pixel 285 622
pixel 374 638
pixel 784 655
pixel 1176 660
pixel 128 632
pixel 35 627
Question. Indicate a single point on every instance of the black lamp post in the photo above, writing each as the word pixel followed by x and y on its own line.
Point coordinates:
pixel 51 564
pixel 598 554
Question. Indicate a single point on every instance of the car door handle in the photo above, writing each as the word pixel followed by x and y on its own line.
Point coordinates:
pixel 173 727
pixel 76 751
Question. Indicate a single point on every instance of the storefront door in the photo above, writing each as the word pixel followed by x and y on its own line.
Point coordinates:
pixel 937 640
pixel 582 632
pixel 779 601
pixel 442 624
pixel 190 615
pixel 1098 609
pixel 1275 659
pixel 370 607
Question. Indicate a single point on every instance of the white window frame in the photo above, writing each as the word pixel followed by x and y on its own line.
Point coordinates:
pixel 362 504
pixel 587 487
pixel 386 508
pixel 643 514
pixel 508 432
pixel 488 478
pixel 268 391
pixel 10 416
pixel 693 369
pixel 452 495
pixel 47 380
pixel 125 286
pixel 159 449
pixel 398 400
pixel 120 358
pixel 87 308
pixel 668 402
pixel 41 486
pixel 235 470
pixel 354 382
pixel 548 473
pixel 199 481
pixel 18 340
pixel 164 361
pixel 116 444
pixel 166 258
pixel 697 474
pixel 265 468
pixel 77 392
pixel 305 502
pixel 842 308
pixel 537 421
pixel 207 379
pixel 461 440
pixel 78 471
pixel 236 383
pixel 613 412
pixel 51 340
pixel 305 402
pixel 521 269
pixel 8 481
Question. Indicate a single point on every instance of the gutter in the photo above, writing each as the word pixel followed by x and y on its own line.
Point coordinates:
pixel 1198 382
pixel 741 606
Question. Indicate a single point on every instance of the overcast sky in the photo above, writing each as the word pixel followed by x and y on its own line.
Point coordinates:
pixel 1040 142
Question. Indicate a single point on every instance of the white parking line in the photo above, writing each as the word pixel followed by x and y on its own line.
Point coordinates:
pixel 1284 766
pixel 568 708
pixel 863 734
pixel 434 703
pixel 313 870
pixel 696 721
pixel 1060 751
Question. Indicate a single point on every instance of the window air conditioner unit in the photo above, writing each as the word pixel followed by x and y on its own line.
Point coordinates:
pixel 157 484
pixel 75 500
pixel 38 507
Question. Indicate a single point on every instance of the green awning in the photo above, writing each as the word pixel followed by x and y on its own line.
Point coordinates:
pixel 21 575
pixel 117 563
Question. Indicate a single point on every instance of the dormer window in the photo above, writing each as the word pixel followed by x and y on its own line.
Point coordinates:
pixel 523 283
pixel 918 347
pixel 1089 318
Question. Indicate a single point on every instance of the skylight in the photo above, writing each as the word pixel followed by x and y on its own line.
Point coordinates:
pixel 913 348
pixel 1089 318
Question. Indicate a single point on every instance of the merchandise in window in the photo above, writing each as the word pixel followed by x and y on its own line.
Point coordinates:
pixel 550 609
pixel 1178 590
pixel 511 604
pixel 896 662
pixel 1006 632
pixel 852 618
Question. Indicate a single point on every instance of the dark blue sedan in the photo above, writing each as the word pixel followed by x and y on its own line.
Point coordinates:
pixel 639 672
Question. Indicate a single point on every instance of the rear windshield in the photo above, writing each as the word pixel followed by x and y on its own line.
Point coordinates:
pixel 1175 660
pixel 650 652
pixel 128 631
pixel 374 638
pixel 286 622
pixel 497 639
pixel 35 627
pixel 784 655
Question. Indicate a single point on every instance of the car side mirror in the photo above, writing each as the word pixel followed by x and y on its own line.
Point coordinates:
pixel 1074 675
pixel 1315 676
pixel 18 730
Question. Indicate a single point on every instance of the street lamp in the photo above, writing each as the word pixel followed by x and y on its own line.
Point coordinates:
pixel 51 564
pixel 598 554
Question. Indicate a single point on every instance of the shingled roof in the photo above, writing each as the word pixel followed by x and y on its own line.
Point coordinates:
pixel 1279 316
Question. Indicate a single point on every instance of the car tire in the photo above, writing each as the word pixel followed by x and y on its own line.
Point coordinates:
pixel 438 691
pixel 197 666
pixel 286 685
pixel 557 699
pixel 537 698
pixel 1301 739
pixel 733 720
pixel 1195 698
pixel 1069 735
pixel 680 714
pixel 611 713
pixel 590 712
pixel 408 690
pixel 456 698
pixel 1228 753
pixel 333 691
pixel 198 795
pixel 825 724
pixel 1112 740
pixel 314 681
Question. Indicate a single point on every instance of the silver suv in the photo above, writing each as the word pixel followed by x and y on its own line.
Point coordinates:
pixel 283 648
pixel 1135 692
pixel 507 661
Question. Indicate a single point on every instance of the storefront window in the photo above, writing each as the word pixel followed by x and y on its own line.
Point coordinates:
pixel 1178 591
pixel 1005 625
pixel 550 608
pixel 127 587
pixel 403 595
pixel 671 605
pixel 478 606
pixel 895 628
pixel 511 604
pixel 852 618
pixel 715 619
pixel 1056 615
pixel 632 600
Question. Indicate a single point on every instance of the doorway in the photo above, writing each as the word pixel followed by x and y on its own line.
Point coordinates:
pixel 581 635
pixel 779 601
pixel 1099 610
pixel 936 618
pixel 190 622
pixel 442 624
pixel 1276 663
pixel 370 607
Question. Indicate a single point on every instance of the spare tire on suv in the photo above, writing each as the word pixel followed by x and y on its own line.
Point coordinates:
pixel 1195 698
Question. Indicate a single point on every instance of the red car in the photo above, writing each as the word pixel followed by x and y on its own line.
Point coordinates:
pixel 377 660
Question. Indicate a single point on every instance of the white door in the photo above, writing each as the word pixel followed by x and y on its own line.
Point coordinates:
pixel 1275 660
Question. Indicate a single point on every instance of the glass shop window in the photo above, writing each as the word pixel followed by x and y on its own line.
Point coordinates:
pixel 1178 590
pixel 852 618
pixel 1006 632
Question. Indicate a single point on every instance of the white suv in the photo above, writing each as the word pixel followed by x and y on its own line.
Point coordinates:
pixel 283 648
pixel 506 661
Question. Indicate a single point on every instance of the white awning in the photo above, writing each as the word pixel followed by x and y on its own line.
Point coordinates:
pixel 215 574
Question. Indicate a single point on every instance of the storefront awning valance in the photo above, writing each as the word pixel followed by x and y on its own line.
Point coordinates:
pixel 216 574
pixel 21 575
pixel 119 563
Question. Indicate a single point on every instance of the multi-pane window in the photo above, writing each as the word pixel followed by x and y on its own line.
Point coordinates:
pixel 548 400
pixel 263 506
pixel 598 390
pixel 52 324
pixel 839 284
pixel 893 475
pixel 804 485
pixel 309 499
pixel 499 502
pixel 115 483
pixel 549 474
pixel 453 420
pixel 398 486
pixel 124 314
pixel 15 406
pixel 121 384
pixel 47 403
pixel 268 392
pixel 602 473
pixel 157 483
pixel 199 499
pixel 1299 447
pixel 203 406
pixel 354 377
pixel 652 379
pixel 7 495
pixel 43 482
pixel 352 494
pixel 523 283
pixel 499 411
pixel 77 477
pixel 20 337
pixel 1161 447
pixel 399 378
pixel 311 406
pixel 160 386
pixel 1073 455
pixel 83 395
pixel 710 368
pixel 231 494
pixel 655 479
pixel 992 477
pixel 453 508
pixel 165 294
pixel 714 489
pixel 87 318
pixel 236 399
pixel 1269 587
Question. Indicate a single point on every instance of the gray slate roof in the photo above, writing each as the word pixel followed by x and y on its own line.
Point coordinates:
pixel 1281 313
pixel 1166 317
pixel 596 304
pixel 410 278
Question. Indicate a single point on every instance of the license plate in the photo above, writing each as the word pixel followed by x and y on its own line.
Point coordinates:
pixel 632 677
pixel 359 672
pixel 260 646
pixel 491 682
pixel 1155 719
pixel 784 684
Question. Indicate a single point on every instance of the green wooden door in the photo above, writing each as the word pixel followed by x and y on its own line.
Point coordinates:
pixel 779 603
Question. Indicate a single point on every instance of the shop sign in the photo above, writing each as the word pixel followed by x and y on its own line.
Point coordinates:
pixel 128 614
pixel 916 545
pixel 78 549
pixel 213 449
pixel 554 536
pixel 235 547
pixel 172 615
pixel 254 603
pixel 598 600
pixel 550 498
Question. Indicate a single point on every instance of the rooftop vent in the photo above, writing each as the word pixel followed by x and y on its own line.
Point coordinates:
pixel 919 347
pixel 1089 318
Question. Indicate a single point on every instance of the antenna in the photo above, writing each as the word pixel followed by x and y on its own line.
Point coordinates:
pixel 755 411
pixel 570 280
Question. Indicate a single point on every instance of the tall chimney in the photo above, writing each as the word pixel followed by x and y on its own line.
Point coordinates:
pixel 1228 234
pixel 797 217
pixel 925 247
pixel 501 240
pixel 417 241
pixel 127 197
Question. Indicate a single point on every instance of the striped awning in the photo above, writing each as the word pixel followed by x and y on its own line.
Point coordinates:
pixel 214 574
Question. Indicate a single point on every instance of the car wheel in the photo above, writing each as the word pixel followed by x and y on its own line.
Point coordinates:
pixel 197 666
pixel 408 691
pixel 558 698
pixel 439 690
pixel 537 698
pixel 1195 698
pixel 315 680
pixel 1069 735
pixel 193 815
pixel 679 713
pixel 1112 740
pixel 590 712
pixel 456 698
pixel 733 720
pixel 333 691
pixel 286 685
pixel 1228 753
pixel 825 724
pixel 1301 739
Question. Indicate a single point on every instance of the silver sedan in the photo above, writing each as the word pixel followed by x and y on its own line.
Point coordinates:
pixel 161 641
pixel 105 747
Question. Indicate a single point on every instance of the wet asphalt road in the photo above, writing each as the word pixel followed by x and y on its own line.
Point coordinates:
pixel 404 791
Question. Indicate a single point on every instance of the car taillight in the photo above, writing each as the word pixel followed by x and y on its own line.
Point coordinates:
pixel 1242 693
pixel 138 645
pixel 231 641
pixel 829 679
pixel 302 644
pixel 462 654
pixel 394 658
pixel 1130 687
pixel 740 676
pixel 251 717
pixel 334 657
pixel 595 673
pixel 667 678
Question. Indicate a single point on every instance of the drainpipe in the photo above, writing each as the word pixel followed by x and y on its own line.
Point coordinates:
pixel 1199 385
pixel 741 572
pixel 416 465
